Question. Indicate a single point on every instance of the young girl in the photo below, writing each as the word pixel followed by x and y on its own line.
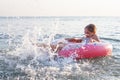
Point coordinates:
pixel 90 36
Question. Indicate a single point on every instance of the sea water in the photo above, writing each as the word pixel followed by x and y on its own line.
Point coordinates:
pixel 21 59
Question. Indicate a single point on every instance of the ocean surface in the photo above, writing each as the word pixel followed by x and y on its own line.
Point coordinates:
pixel 20 59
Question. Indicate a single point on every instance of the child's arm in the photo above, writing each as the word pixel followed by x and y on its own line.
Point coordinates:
pixel 75 40
pixel 95 38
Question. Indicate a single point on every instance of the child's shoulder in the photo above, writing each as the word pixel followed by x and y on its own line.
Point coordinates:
pixel 95 35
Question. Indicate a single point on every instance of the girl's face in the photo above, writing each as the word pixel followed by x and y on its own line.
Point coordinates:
pixel 88 33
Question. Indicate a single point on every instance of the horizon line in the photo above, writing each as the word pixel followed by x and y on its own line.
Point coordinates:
pixel 56 16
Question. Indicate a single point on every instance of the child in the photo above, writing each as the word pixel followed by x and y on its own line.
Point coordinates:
pixel 90 35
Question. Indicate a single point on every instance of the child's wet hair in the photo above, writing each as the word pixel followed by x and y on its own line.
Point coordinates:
pixel 91 28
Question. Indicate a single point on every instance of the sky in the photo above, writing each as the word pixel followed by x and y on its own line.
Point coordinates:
pixel 59 7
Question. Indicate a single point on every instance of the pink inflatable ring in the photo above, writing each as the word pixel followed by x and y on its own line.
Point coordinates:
pixel 90 50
